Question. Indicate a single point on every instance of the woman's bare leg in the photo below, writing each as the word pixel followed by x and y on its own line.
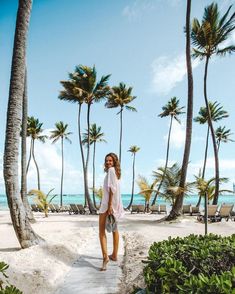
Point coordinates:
pixel 114 255
pixel 103 240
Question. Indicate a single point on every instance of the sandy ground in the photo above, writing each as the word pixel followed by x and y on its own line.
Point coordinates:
pixel 41 269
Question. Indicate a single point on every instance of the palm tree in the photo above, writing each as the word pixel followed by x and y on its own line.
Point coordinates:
pixel 34 130
pixel 208 37
pixel 222 135
pixel 146 190
pixel 172 110
pixel 95 137
pixel 120 96
pixel 24 232
pixel 177 208
pixel 83 87
pixel 217 113
pixel 60 132
pixel 133 149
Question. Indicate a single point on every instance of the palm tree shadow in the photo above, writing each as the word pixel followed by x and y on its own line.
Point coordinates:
pixel 14 249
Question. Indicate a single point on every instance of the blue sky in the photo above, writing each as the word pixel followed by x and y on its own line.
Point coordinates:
pixel 139 42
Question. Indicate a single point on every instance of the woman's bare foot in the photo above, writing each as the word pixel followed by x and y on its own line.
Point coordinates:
pixel 111 257
pixel 104 266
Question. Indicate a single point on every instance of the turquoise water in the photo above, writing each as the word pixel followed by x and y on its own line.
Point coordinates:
pixel 79 199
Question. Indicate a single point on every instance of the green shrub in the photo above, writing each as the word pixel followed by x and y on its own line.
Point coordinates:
pixel 194 264
pixel 8 289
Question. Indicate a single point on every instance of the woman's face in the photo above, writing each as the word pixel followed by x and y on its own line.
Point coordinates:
pixel 109 162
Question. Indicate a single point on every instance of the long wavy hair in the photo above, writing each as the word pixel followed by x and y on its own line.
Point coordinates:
pixel 116 164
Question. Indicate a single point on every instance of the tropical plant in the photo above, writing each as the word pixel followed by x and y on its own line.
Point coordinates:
pixel 121 96
pixel 8 288
pixel 222 135
pixel 217 113
pixel 84 88
pixel 60 132
pixel 96 136
pixel 24 232
pixel 34 131
pixel 133 149
pixel 42 199
pixel 146 189
pixel 99 192
pixel 172 110
pixel 208 38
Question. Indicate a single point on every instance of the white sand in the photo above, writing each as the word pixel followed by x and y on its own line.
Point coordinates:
pixel 41 269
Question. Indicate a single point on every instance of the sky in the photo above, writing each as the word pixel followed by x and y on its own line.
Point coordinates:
pixel 138 42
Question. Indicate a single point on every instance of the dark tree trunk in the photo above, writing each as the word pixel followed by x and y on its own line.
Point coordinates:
pixel 30 155
pixel 177 207
pixel 24 232
pixel 120 139
pixel 62 173
pixel 133 183
pixel 166 163
pixel 23 191
pixel 38 174
pixel 93 188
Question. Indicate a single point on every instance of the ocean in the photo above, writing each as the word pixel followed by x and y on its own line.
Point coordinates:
pixel 138 199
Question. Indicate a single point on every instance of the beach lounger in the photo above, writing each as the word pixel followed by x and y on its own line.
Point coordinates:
pixel 34 207
pixel 141 208
pixel 81 209
pixel 212 213
pixel 225 212
pixel 162 208
pixel 134 208
pixel 195 210
pixel 74 209
pixel 57 207
pixel 39 208
pixel 155 209
pixel 52 208
pixel 186 209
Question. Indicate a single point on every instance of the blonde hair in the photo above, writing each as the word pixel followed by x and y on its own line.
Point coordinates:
pixel 116 164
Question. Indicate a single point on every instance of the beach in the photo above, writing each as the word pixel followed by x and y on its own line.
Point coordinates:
pixel 42 268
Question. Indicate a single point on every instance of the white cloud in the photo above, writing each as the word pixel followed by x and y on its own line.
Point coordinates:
pixel 177 135
pixel 168 72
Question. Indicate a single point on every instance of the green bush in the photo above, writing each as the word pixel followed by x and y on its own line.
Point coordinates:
pixel 8 289
pixel 194 264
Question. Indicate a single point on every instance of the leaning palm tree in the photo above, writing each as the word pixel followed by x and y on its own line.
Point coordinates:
pixel 208 38
pixel 133 149
pixel 217 113
pixel 60 132
pixel 146 190
pixel 222 135
pixel 84 88
pixel 24 232
pixel 34 131
pixel 96 136
pixel 121 96
pixel 172 110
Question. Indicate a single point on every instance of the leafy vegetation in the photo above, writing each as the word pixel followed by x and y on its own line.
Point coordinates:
pixel 194 264
pixel 8 289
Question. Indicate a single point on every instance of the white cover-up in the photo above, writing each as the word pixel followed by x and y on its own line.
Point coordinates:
pixel 112 182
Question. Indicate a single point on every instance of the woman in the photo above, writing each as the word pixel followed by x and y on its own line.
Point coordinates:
pixel 111 204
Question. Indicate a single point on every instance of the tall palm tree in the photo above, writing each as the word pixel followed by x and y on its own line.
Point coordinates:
pixel 96 136
pixel 121 96
pixel 146 190
pixel 24 232
pixel 133 149
pixel 208 38
pixel 177 208
pixel 34 130
pixel 172 110
pixel 87 90
pixel 60 132
pixel 222 135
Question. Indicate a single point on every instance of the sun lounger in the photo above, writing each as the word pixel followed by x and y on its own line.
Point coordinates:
pixel 225 212
pixel 57 208
pixel 195 210
pixel 155 209
pixel 34 207
pixel 74 209
pixel 137 208
pixel 39 208
pixel 162 208
pixel 81 209
pixel 52 208
pixel 186 209
pixel 212 213
pixel 141 208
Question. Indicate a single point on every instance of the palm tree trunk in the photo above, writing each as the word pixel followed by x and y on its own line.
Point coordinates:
pixel 23 191
pixel 89 201
pixel 38 175
pixel 30 154
pixel 120 140
pixel 177 207
pixel 215 200
pixel 24 232
pixel 166 163
pixel 62 174
pixel 94 175
pixel 204 164
pixel 81 148
pixel 133 183
pixel 218 145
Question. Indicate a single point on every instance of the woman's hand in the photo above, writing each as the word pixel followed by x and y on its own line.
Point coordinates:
pixel 110 210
